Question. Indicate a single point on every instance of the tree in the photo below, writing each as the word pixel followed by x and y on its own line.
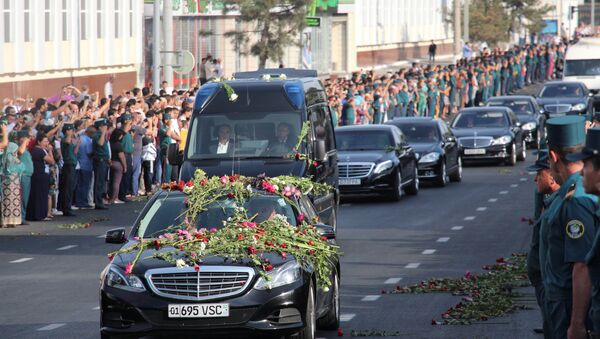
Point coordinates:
pixel 527 13
pixel 278 24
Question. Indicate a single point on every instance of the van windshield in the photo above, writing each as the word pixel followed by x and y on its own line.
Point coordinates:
pixel 582 67
pixel 244 135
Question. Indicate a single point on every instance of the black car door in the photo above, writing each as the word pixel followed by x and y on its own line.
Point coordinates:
pixel 450 146
pixel 515 127
pixel 404 151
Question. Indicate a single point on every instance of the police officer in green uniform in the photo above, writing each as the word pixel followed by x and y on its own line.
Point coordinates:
pixel 101 163
pixel 566 234
pixel 66 183
pixel 546 187
pixel 591 183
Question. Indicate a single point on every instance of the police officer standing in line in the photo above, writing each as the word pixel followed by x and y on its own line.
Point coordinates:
pixel 66 183
pixel 591 183
pixel 566 234
pixel 101 163
pixel 546 186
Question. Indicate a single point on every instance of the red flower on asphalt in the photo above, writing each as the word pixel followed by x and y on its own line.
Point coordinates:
pixel 110 256
pixel 433 322
pixel 468 275
pixel 340 332
pixel 500 260
pixel 128 268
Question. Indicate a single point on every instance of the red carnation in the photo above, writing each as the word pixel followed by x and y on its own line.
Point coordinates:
pixel 312 251
pixel 315 164
pixel 181 185
pixel 230 195
pixel 500 260
pixel 269 267
pixel 283 255
pixel 251 250
pixel 240 237
pixel 186 201
pixel 190 183
pixel 433 322
pixel 310 242
pixel 157 244
pixel 203 182
pixel 110 256
pixel 283 245
pixel 196 267
pixel 297 156
pixel 340 332
pixel 301 217
pixel 232 178
pixel 324 238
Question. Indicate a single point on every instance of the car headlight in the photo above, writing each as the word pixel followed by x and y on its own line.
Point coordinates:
pixel 383 166
pixel 529 126
pixel 430 157
pixel 280 276
pixel 578 107
pixel 118 279
pixel 503 140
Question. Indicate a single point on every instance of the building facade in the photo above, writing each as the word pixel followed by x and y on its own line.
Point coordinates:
pixel 47 44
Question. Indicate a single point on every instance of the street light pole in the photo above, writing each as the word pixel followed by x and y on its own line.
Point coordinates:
pixel 156 48
pixel 457 44
pixel 593 18
pixel 168 29
pixel 466 20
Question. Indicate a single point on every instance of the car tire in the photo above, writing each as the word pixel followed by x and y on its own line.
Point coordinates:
pixel 442 179
pixel 523 154
pixel 397 186
pixel 512 160
pixel 413 188
pixel 308 332
pixel 331 320
pixel 456 176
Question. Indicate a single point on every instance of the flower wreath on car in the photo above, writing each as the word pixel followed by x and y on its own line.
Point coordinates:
pixel 241 240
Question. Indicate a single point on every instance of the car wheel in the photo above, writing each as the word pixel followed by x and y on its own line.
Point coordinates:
pixel 331 320
pixel 310 318
pixel 442 179
pixel 413 189
pixel 397 186
pixel 512 160
pixel 457 175
pixel 523 154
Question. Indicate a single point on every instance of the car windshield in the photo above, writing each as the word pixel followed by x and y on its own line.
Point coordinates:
pixel 424 133
pixel 561 91
pixel 363 140
pixel 582 67
pixel 243 135
pixel 169 211
pixel 517 106
pixel 480 119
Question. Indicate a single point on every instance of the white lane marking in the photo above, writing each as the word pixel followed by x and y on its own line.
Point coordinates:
pixel 370 298
pixel 50 327
pixel 344 317
pixel 413 265
pixel 503 192
pixel 471 217
pixel 481 209
pixel 457 228
pixel 64 248
pixel 514 185
pixel 391 281
pixel 428 251
pixel 18 261
pixel 443 239
pixel 101 236
pixel 97 308
pixel 523 179
pixel 493 200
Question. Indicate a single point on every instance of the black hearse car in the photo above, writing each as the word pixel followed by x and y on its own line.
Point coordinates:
pixel 222 298
pixel 528 112
pixel 376 159
pixel 256 131
pixel 557 98
pixel 490 133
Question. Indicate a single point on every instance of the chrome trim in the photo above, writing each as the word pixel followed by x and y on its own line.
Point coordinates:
pixel 197 276
pixel 557 108
pixel 483 142
pixel 344 169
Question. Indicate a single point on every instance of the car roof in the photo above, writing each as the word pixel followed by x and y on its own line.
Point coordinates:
pixel 485 108
pixel 274 73
pixel 563 82
pixel 413 120
pixel 511 97
pixel 376 127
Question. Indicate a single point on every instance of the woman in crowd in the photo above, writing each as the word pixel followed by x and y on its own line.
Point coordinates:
pixel 24 139
pixel 118 165
pixel 41 154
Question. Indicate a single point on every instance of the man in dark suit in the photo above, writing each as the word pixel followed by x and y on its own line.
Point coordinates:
pixel 284 143
pixel 224 144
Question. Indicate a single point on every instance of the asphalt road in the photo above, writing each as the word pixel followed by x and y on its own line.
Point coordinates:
pixel 49 276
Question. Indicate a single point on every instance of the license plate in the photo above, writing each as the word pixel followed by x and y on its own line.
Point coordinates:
pixel 475 151
pixel 198 310
pixel 349 182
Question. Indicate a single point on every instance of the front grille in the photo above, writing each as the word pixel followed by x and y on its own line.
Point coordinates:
pixel 355 169
pixel 210 282
pixel 557 108
pixel 475 142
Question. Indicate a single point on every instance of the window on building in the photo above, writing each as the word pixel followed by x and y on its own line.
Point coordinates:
pixel 6 15
pixel 83 21
pixel 48 28
pixel 131 18
pixel 117 12
pixel 99 19
pixel 65 21
pixel 26 21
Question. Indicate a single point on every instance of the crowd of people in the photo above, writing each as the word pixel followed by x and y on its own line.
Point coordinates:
pixel 83 150
pixel 440 91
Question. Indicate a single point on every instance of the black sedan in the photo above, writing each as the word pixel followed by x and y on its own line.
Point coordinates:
pixel 558 98
pixel 222 298
pixel 529 114
pixel 490 133
pixel 376 159
pixel 437 149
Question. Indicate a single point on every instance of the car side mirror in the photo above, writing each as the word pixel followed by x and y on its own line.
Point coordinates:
pixel 319 149
pixel 326 231
pixel 116 236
